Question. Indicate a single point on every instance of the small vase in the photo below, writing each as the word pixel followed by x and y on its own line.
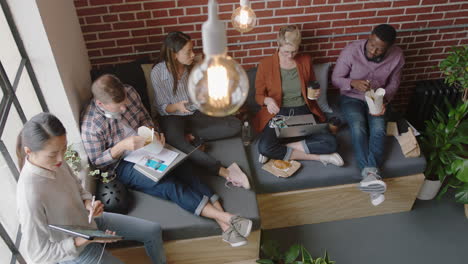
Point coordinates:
pixel 114 196
pixel 429 190
pixel 466 210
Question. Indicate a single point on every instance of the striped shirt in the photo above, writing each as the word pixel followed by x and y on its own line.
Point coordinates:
pixel 163 84
pixel 100 134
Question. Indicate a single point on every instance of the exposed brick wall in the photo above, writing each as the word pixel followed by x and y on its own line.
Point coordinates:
pixel 120 27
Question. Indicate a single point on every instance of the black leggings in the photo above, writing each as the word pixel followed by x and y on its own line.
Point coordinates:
pixel 206 127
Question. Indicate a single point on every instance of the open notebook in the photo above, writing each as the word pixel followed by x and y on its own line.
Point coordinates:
pixel 156 170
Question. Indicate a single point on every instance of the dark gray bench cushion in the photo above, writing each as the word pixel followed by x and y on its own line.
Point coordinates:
pixel 314 174
pixel 180 224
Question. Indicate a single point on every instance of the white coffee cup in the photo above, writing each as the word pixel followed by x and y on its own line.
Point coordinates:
pixel 153 146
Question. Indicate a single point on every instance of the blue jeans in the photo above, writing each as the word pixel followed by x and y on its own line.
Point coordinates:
pixel 180 186
pixel 131 228
pixel 275 148
pixel 367 132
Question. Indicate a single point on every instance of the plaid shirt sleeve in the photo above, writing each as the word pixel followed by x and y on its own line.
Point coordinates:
pixel 94 140
pixel 144 118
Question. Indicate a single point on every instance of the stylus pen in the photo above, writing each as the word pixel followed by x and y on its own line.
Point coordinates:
pixel 92 209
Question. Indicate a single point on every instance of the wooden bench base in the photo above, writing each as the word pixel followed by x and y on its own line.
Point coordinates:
pixel 204 250
pixel 332 203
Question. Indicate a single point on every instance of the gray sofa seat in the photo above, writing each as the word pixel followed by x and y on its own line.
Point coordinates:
pixel 179 224
pixel 314 174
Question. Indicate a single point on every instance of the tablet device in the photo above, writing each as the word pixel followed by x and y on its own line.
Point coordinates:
pixel 85 232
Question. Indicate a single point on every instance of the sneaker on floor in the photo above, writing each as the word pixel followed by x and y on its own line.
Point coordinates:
pixel 377 198
pixel 262 159
pixel 237 177
pixel 371 181
pixel 333 158
pixel 232 237
pixel 242 225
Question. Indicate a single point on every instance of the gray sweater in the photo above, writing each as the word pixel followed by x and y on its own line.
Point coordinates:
pixel 46 197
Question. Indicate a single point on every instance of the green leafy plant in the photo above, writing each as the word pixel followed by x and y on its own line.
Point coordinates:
pixel 296 254
pixel 455 69
pixel 73 160
pixel 444 144
pixel 105 177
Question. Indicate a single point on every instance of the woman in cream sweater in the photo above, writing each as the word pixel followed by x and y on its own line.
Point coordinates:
pixel 49 193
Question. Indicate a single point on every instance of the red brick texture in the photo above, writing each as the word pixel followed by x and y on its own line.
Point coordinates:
pixel 117 31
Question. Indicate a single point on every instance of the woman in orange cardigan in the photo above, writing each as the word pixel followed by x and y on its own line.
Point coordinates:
pixel 281 90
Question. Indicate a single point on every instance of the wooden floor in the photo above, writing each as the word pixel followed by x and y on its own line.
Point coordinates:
pixel 205 250
pixel 333 203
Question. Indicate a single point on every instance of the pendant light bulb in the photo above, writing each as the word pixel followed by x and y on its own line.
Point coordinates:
pixel 244 19
pixel 218 85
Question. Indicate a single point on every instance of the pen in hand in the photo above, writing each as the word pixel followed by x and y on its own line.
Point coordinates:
pixel 92 209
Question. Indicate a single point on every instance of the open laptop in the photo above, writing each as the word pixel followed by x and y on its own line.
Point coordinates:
pixel 299 126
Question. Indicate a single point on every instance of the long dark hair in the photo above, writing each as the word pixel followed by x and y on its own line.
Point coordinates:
pixel 36 132
pixel 173 42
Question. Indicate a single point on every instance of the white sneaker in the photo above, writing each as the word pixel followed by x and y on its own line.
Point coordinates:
pixel 377 198
pixel 237 177
pixel 333 158
pixel 371 181
pixel 262 159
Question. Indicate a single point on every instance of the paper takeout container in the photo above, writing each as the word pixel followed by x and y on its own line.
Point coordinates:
pixel 374 100
pixel 152 146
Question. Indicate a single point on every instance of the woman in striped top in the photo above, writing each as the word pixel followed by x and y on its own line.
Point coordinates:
pixel 169 78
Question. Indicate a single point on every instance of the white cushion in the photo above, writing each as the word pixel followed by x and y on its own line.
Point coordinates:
pixel 149 86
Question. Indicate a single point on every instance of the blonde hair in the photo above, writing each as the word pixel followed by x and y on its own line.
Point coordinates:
pixel 289 34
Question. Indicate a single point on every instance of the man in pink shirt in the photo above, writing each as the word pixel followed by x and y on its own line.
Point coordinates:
pixel 363 65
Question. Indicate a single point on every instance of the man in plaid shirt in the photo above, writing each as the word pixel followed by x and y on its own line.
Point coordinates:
pixel 108 129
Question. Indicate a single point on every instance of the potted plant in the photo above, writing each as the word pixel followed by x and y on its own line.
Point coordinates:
pixel 443 144
pixel 438 138
pixel 457 163
pixel 296 254
pixel 111 192
pixel 455 69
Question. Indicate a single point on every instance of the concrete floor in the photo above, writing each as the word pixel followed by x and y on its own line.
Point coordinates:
pixel 433 232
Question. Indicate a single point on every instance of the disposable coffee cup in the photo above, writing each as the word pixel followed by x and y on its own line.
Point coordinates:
pixel 312 87
pixel 151 144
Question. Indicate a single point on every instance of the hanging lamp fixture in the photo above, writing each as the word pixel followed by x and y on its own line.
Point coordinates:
pixel 244 19
pixel 218 85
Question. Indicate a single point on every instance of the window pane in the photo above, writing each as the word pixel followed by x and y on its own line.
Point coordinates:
pixel 5 253
pixel 27 96
pixel 8 216
pixel 12 129
pixel 9 53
